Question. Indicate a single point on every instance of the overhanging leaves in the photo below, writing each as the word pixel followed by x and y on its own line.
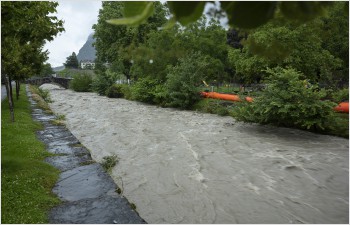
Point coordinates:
pixel 186 12
pixel 135 13
pixel 249 14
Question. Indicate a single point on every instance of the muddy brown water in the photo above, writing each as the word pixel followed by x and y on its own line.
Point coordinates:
pixel 189 167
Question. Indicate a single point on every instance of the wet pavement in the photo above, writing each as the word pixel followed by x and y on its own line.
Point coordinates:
pixel 87 192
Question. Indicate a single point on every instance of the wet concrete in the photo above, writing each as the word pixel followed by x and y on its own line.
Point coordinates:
pixel 87 192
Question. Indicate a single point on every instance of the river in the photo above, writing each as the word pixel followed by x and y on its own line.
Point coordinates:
pixel 188 167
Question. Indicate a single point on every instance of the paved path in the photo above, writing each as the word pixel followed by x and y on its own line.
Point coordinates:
pixel 87 192
pixel 187 167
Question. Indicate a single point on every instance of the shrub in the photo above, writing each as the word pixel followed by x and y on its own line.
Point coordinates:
pixel 213 106
pixel 103 81
pixel 288 102
pixel 45 94
pixel 183 79
pixel 115 91
pixel 81 82
pixel 341 95
pixel 109 162
pixel 126 90
pixel 144 90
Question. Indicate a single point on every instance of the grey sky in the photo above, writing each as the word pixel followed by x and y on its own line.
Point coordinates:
pixel 79 16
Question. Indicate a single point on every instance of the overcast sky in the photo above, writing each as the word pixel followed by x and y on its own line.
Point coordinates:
pixel 78 17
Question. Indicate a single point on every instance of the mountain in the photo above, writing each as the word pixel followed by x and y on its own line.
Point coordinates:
pixel 87 52
pixel 59 68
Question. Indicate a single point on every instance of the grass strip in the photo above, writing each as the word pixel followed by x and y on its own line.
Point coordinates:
pixel 26 180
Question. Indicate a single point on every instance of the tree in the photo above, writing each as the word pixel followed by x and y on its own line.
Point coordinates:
pixel 286 44
pixel 115 43
pixel 46 70
pixel 25 26
pixel 72 61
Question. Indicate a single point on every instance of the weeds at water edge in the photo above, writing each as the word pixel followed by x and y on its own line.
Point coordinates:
pixel 109 162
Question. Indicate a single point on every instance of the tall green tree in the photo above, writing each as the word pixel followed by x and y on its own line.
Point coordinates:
pixel 115 43
pixel 72 61
pixel 25 27
pixel 286 44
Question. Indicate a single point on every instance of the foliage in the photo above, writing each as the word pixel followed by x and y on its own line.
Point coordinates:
pixel 81 82
pixel 287 101
pixel 103 81
pixel 112 41
pixel 240 14
pixel 341 95
pixel 25 28
pixel 115 91
pixel 109 162
pixel 285 44
pixel 214 106
pixel 46 70
pixel 144 90
pixel 72 61
pixel 26 180
pixel 45 94
pixel 183 80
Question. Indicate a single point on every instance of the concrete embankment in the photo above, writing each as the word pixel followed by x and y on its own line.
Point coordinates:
pixel 188 167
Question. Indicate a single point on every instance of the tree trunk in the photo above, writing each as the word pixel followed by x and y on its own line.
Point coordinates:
pixel 9 97
pixel 17 89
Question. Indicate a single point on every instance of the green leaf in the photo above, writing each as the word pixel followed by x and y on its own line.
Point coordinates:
pixel 135 13
pixel 249 14
pixel 186 12
pixel 303 11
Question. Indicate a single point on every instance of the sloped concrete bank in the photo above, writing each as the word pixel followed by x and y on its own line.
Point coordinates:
pixel 87 192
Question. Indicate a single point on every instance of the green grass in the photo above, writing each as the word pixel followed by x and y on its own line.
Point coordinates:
pixel 26 181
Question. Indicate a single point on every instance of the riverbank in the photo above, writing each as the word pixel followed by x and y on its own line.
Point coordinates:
pixel 188 167
pixel 26 180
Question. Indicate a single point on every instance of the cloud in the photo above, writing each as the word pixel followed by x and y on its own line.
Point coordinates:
pixel 78 17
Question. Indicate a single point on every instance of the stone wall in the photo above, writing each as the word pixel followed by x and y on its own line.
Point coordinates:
pixel 64 82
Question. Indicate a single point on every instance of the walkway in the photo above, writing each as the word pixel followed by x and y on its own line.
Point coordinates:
pixel 187 167
pixel 88 193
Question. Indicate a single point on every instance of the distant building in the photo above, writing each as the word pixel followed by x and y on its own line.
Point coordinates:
pixel 87 64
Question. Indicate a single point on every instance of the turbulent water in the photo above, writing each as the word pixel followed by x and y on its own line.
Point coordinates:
pixel 187 167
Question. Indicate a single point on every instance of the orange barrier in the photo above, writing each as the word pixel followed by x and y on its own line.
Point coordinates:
pixel 228 97
pixel 343 107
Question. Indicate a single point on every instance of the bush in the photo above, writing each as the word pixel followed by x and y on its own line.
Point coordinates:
pixel 144 90
pixel 182 81
pixel 214 106
pixel 126 90
pixel 288 102
pixel 81 82
pixel 341 95
pixel 115 91
pixel 103 81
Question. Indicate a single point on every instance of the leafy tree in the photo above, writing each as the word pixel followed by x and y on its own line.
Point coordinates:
pixel 25 26
pixel 284 44
pixel 46 70
pixel 114 43
pixel 72 61
pixel 183 81
pixel 335 39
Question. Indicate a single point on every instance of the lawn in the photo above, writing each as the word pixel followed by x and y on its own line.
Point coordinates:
pixel 26 180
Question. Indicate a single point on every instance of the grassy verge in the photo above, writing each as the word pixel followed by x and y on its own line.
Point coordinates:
pixel 26 181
